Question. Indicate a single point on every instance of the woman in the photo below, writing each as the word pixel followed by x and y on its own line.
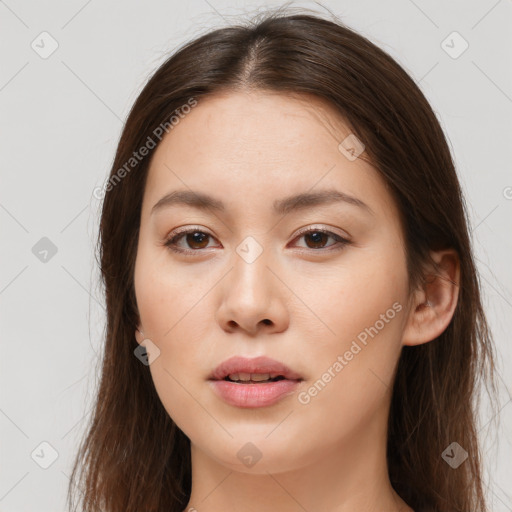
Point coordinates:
pixel 293 311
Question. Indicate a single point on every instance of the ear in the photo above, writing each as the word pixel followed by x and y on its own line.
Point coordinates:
pixel 139 335
pixel 433 305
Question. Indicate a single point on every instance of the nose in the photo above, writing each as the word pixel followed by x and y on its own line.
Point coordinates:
pixel 253 300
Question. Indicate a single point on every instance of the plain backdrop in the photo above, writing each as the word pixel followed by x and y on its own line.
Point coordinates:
pixel 69 74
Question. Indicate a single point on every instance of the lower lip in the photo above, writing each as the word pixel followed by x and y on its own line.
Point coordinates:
pixel 254 395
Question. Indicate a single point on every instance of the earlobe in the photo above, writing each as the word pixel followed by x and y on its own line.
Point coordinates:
pixel 434 305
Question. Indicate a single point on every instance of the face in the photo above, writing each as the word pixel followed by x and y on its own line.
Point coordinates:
pixel 319 285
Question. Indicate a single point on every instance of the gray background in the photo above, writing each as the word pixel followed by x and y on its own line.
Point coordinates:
pixel 61 118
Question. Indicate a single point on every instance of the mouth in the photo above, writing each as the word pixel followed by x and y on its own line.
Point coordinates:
pixel 257 382
pixel 253 378
pixel 256 369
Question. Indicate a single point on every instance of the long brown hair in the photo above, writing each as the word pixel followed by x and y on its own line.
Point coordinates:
pixel 134 457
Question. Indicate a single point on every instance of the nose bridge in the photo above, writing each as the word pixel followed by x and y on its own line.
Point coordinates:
pixel 250 273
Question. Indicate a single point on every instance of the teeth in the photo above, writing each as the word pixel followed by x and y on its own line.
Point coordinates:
pixel 256 377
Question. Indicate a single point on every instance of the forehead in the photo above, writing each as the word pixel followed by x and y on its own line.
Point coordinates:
pixel 253 148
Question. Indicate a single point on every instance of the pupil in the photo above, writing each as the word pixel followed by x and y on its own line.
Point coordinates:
pixel 197 237
pixel 317 237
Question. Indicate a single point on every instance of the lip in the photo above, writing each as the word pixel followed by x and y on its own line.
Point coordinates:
pixel 261 394
pixel 262 364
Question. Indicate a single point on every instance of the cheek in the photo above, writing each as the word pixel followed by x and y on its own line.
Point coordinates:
pixel 170 303
pixel 167 294
pixel 363 305
pixel 353 295
pixel 351 382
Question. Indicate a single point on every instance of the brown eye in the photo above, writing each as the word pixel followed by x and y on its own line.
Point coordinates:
pixel 194 239
pixel 317 239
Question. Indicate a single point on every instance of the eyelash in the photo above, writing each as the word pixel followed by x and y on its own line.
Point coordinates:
pixel 171 242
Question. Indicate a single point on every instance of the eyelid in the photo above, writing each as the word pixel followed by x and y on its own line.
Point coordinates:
pixel 187 229
pixel 184 230
pixel 320 227
pixel 301 231
pixel 341 239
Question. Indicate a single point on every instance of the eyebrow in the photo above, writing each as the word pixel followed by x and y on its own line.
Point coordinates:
pixel 303 201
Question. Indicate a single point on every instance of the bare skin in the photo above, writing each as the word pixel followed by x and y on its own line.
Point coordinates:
pixel 302 301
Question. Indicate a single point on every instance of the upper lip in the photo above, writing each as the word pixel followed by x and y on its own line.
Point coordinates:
pixel 262 364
